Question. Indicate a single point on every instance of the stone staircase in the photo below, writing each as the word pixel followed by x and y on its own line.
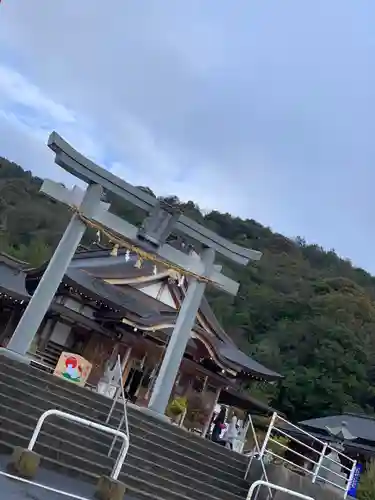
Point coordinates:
pixel 50 354
pixel 163 462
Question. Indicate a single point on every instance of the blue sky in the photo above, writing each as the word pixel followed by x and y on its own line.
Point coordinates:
pixel 264 109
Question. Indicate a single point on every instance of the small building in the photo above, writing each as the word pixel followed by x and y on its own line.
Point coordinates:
pixel 109 305
pixel 359 426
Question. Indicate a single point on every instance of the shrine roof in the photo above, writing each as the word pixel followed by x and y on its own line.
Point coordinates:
pixel 104 291
pixel 109 268
pixel 12 278
pixel 89 270
pixel 248 364
pixel 152 311
pixel 359 425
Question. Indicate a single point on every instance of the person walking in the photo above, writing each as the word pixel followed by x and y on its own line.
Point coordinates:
pixel 219 426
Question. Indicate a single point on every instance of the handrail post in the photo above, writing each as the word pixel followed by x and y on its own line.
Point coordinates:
pixel 260 458
pixel 118 390
pixel 124 418
pixel 38 428
pixel 321 458
pixel 268 434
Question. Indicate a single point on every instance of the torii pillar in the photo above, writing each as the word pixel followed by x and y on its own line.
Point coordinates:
pixel 180 337
pixel 40 302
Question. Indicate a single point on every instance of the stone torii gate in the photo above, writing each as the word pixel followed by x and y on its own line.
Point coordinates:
pixel 161 222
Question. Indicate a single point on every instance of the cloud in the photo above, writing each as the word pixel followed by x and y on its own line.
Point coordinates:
pixel 261 110
pixel 17 90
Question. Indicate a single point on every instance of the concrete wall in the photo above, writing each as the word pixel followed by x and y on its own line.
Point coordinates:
pixel 282 476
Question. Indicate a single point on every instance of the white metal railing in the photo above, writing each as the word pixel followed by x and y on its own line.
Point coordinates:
pixel 279 427
pixel 87 423
pixel 257 450
pixel 124 419
pixel 271 486
pixel 239 443
pixel 42 486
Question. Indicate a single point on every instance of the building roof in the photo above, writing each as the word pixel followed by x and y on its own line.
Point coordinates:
pixel 12 278
pixel 103 291
pixel 153 312
pixel 361 426
pixel 12 262
pixel 248 364
pixel 114 267
pixel 88 272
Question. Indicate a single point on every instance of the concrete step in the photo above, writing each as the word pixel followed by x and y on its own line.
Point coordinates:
pixel 60 386
pixel 100 401
pixel 61 393
pixel 142 440
pixel 135 479
pixel 163 462
pixel 102 405
pixel 140 445
pixel 17 397
pixel 61 439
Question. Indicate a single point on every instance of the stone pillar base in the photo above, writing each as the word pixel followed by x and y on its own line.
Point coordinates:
pixel 109 489
pixel 24 463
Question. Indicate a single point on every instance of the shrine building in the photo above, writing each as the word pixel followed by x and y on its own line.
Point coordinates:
pixel 110 304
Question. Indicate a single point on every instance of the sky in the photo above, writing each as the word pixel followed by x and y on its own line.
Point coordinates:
pixel 264 109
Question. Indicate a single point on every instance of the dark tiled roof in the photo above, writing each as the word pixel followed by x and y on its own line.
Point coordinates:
pixel 12 280
pixel 237 357
pixel 12 262
pixel 114 269
pixel 102 290
pixel 361 426
pixel 118 270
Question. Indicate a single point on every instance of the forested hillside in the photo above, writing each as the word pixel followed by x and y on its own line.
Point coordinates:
pixel 301 310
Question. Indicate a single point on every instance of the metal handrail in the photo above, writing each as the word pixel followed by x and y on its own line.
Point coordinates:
pixel 325 445
pixel 318 462
pixel 124 418
pixel 257 447
pixel 87 423
pixel 276 487
pixel 308 434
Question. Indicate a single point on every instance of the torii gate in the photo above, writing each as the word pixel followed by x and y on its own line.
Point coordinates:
pixel 152 237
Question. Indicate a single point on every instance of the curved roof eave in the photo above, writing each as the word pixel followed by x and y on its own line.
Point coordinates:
pixel 246 363
pixel 12 282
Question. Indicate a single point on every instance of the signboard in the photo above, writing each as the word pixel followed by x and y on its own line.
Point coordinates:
pixel 352 492
pixel 73 367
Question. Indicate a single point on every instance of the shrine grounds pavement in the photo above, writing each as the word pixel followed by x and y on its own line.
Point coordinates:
pixel 16 490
